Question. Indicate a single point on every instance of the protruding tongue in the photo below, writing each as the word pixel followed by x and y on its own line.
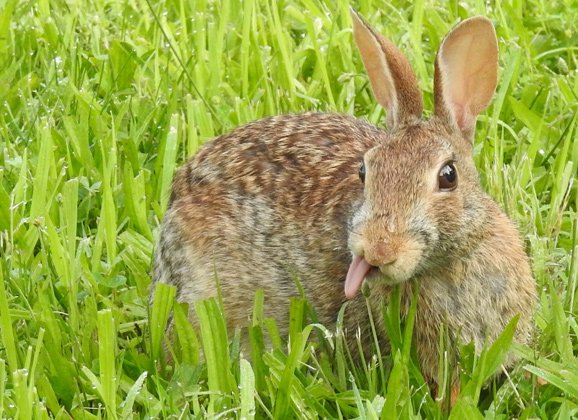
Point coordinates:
pixel 355 275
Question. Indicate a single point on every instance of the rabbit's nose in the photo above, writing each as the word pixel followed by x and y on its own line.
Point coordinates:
pixel 382 253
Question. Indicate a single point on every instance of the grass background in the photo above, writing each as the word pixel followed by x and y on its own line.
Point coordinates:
pixel 100 100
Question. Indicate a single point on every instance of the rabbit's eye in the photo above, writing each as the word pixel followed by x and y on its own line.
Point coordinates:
pixel 448 177
pixel 362 172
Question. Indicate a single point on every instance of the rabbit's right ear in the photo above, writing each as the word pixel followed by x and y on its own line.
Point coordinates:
pixel 392 80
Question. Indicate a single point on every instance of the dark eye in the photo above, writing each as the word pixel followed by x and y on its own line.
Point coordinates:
pixel 448 177
pixel 362 172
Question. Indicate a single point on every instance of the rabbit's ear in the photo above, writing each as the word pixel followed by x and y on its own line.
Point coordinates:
pixel 466 73
pixel 392 79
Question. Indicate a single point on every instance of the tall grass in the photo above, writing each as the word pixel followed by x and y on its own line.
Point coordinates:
pixel 100 101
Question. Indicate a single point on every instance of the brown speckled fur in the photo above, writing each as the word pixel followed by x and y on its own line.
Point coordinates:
pixel 281 197
pixel 254 206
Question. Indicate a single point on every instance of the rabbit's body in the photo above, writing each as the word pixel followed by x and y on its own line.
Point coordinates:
pixel 281 199
pixel 269 209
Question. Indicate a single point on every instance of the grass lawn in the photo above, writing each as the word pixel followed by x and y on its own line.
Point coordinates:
pixel 101 100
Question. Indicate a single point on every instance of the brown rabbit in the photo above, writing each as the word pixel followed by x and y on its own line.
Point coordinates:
pixel 334 201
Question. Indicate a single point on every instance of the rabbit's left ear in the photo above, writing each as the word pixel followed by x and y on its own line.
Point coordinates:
pixel 392 80
pixel 466 73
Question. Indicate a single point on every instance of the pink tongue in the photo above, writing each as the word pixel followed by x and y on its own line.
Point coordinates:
pixel 355 275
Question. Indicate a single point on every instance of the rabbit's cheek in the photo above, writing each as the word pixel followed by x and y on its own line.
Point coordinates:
pixel 357 230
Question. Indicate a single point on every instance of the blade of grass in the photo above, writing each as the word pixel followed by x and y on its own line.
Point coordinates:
pixel 128 403
pixel 164 296
pixel 247 390
pixel 170 146
pixel 215 346
pixel 3 381
pixel 188 342
pixel 7 331
pixel 107 360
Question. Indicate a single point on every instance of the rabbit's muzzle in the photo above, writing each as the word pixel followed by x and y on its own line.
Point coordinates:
pixel 393 259
pixel 382 253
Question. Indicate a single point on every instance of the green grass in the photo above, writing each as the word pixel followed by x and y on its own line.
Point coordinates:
pixel 101 100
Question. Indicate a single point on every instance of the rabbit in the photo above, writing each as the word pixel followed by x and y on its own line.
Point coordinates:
pixel 334 202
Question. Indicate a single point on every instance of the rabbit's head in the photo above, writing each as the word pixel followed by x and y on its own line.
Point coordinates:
pixel 422 197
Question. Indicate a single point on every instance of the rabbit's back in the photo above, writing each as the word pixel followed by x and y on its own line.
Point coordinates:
pixel 265 205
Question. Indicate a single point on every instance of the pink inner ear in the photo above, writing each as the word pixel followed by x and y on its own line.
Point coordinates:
pixel 381 83
pixel 464 118
pixel 467 63
pixel 461 67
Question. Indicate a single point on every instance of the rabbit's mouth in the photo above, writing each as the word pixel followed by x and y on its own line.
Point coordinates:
pixel 374 273
pixel 359 270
